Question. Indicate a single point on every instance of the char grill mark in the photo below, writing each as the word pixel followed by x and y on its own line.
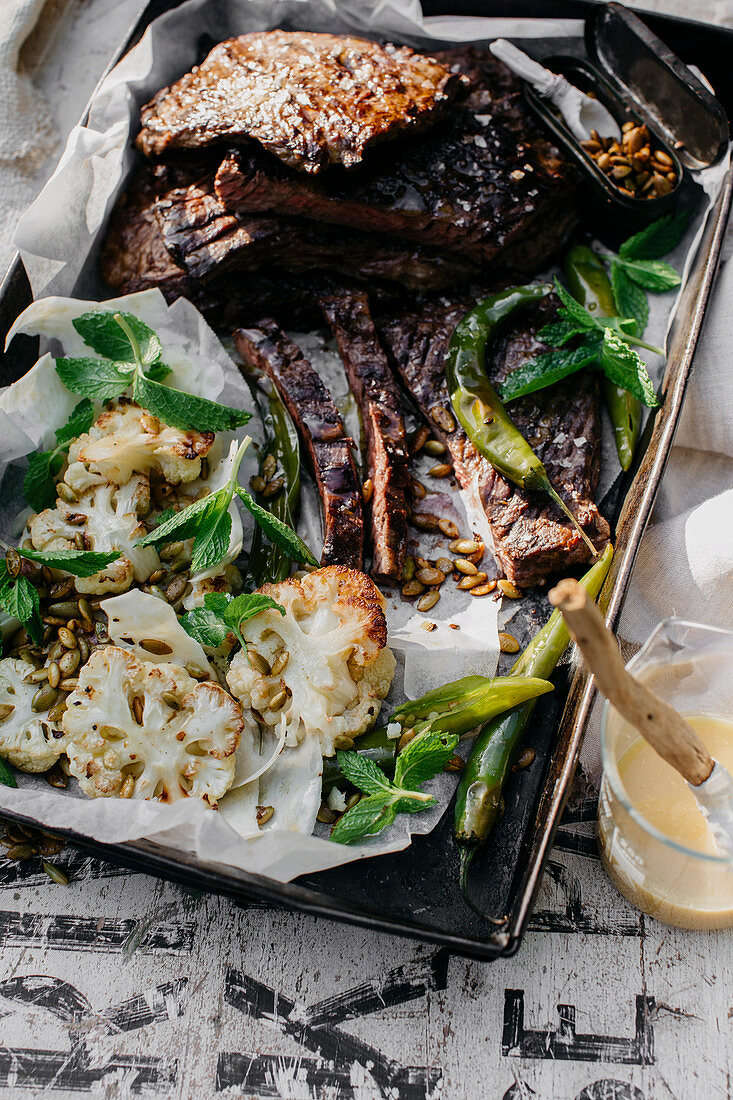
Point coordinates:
pixel 379 400
pixel 310 99
pixel 473 186
pixel 321 432
pixel 204 240
pixel 531 538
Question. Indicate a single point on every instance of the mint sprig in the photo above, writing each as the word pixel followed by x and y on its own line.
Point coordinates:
pixel 127 346
pixel 421 759
pixel 222 615
pixel 607 344
pixel 39 484
pixel 598 349
pixel 656 240
pixel 209 524
pixel 20 600
pixel 80 563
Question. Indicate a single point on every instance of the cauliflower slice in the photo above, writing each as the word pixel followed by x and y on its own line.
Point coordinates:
pixel 339 667
pixel 110 519
pixel 127 440
pixel 28 740
pixel 182 746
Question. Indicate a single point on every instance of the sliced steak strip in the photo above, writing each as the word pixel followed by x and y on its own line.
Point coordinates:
pixel 472 185
pixel 531 537
pixel 204 240
pixel 311 99
pixel 380 404
pixel 321 432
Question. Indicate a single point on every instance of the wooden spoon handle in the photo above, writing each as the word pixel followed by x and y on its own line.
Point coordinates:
pixel 658 723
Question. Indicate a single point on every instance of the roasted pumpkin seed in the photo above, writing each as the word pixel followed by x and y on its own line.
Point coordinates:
pixel 464 546
pixel 44 698
pixel 508 643
pixel 483 589
pixel 55 873
pixel 264 813
pixel 412 588
pixel 156 646
pixel 509 590
pixel 428 601
pixel 280 663
pixel 258 662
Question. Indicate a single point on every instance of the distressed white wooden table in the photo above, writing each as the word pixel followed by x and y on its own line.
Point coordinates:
pixel 118 985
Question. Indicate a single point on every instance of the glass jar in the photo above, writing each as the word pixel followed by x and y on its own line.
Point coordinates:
pixel 690 666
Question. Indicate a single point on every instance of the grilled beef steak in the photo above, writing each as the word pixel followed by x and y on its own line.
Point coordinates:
pixel 532 539
pixel 134 257
pixel 311 99
pixel 204 240
pixel 378 397
pixel 471 186
pixel 321 432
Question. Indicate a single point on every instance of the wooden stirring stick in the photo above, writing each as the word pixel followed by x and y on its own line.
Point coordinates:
pixel 658 723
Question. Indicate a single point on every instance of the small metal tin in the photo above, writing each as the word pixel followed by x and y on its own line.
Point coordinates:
pixel 635 212
pixel 639 80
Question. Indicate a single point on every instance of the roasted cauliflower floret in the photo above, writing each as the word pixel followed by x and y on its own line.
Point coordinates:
pixel 28 740
pixel 141 730
pixel 109 518
pixel 328 655
pixel 126 440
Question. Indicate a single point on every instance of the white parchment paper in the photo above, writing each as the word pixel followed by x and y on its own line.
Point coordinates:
pixel 59 237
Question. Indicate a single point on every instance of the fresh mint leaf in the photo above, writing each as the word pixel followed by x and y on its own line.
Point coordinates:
pixel 104 335
pixel 186 523
pixel 80 563
pixel 183 410
pixel 205 626
pixel 547 368
pixel 79 422
pixel 655 275
pixel 369 816
pixel 222 615
pixel 625 368
pixel 158 371
pixel 576 313
pixel 558 333
pixel 629 298
pixel 206 521
pixel 96 378
pixel 244 607
pixel 6 776
pixel 423 757
pixel 39 483
pixel 363 773
pixel 164 516
pixel 277 531
pixel 19 599
pixel 656 240
pixel 212 541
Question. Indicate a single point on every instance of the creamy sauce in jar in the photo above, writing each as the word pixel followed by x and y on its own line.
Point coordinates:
pixel 674 886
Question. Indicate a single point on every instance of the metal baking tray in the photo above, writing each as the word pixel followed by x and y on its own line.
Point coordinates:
pixel 415 892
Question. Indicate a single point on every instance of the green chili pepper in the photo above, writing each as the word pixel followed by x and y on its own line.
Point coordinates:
pixel 589 284
pixel 457 707
pixel 270 563
pixel 479 795
pixel 477 404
